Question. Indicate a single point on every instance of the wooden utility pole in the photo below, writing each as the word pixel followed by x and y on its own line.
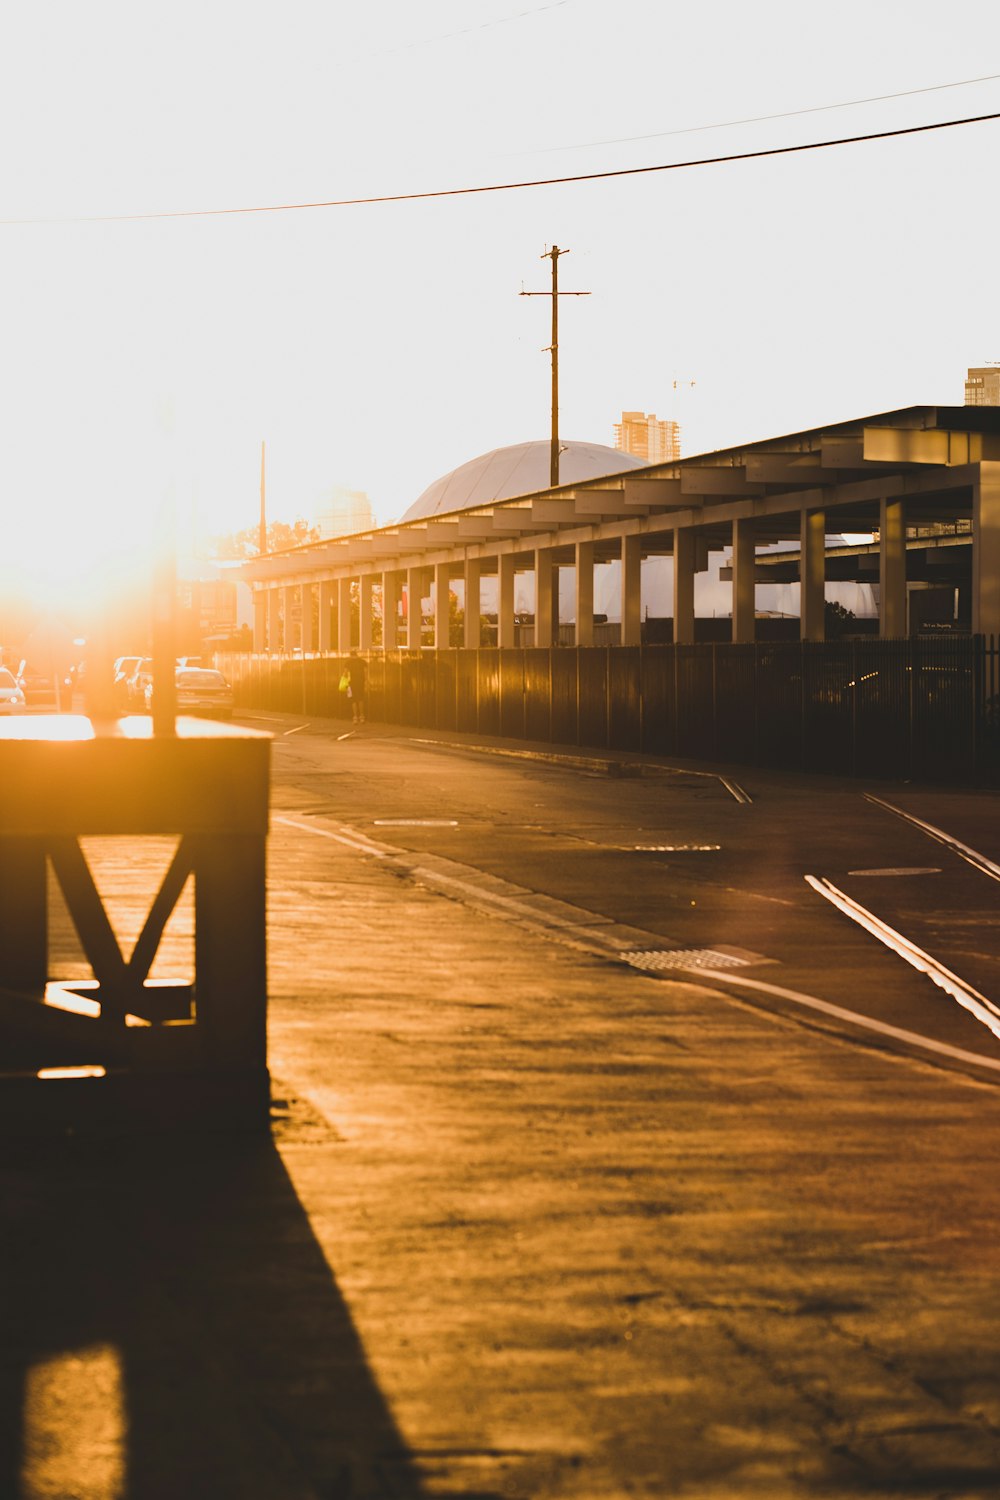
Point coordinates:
pixel 263 508
pixel 553 255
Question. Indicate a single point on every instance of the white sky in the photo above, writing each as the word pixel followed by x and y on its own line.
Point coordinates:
pixel 379 347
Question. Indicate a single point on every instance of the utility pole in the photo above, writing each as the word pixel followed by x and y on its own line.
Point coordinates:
pixel 553 255
pixel 263 508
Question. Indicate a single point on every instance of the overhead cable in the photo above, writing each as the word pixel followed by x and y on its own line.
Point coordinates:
pixel 787 114
pixel 507 187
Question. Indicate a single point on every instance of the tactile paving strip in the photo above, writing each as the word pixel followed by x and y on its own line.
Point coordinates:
pixel 682 958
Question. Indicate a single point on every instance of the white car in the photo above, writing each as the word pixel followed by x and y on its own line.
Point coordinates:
pixel 11 694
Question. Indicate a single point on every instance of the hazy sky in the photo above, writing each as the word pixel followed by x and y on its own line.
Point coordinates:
pixel 378 347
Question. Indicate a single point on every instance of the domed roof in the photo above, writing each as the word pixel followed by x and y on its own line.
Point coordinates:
pixel 520 469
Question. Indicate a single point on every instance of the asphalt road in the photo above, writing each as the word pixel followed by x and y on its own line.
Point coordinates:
pixel 691 872
pixel 538 1221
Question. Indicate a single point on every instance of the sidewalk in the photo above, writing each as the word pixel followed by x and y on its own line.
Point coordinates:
pixel 532 1226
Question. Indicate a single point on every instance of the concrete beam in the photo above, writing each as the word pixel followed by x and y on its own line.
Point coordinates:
pixel 717 481
pixel 935 445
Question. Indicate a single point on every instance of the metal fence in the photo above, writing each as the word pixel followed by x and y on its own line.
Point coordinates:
pixel 927 708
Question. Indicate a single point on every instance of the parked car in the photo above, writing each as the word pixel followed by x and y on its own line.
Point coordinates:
pixel 37 686
pixel 123 669
pixel 137 683
pixel 11 694
pixel 201 691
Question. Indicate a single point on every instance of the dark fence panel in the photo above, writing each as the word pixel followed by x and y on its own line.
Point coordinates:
pixel 735 704
pixel 695 734
pixel 446 679
pixel 988 700
pixel 489 690
pixel 538 694
pixel 564 697
pixel 592 688
pixel 625 697
pixel 867 707
pixel 828 678
pixel 658 692
pixel 883 714
pixel 511 676
pixel 778 695
pixel 945 696
pixel 467 691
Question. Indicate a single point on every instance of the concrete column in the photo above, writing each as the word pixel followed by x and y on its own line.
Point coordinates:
pixel 986 550
pixel 442 607
pixel 414 607
pixel 546 598
pixel 273 621
pixel 260 620
pixel 343 616
pixel 472 570
pixel 306 596
pixel 812 575
pixel 892 569
pixel 327 592
pixel 392 587
pixel 505 601
pixel 744 581
pixel 631 591
pixel 288 641
pixel 584 634
pixel 684 561
pixel 365 612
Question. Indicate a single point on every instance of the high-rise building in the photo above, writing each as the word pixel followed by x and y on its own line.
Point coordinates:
pixel 982 386
pixel 340 511
pixel 647 437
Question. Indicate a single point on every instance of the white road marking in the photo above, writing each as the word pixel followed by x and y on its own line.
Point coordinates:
pixel 298 728
pixel 348 736
pixel 415 822
pixel 724 979
pixel 971 1000
pixel 346 836
pixel 971 856
pixel 674 848
pixel 867 1023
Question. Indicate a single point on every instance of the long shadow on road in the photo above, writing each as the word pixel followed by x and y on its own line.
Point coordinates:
pixel 171 1327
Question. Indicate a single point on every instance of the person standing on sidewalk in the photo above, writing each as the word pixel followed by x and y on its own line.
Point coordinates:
pixel 356 671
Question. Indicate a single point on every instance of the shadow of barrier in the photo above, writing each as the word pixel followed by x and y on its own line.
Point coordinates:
pixel 170 1327
pixel 122 1051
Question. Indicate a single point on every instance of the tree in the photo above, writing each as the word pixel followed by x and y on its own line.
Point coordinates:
pixel 280 536
pixel 838 620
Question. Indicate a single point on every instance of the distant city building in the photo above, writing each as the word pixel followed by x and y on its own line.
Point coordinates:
pixel 342 512
pixel 982 386
pixel 647 437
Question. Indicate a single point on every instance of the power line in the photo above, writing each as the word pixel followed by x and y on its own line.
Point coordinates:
pixel 788 114
pixel 507 187
pixel 447 36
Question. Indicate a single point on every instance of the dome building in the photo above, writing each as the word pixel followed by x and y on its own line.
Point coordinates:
pixel 521 469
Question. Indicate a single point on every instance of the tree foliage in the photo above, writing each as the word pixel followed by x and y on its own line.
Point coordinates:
pixel 280 535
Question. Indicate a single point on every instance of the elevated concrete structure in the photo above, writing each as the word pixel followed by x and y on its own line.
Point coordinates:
pixel 925 470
